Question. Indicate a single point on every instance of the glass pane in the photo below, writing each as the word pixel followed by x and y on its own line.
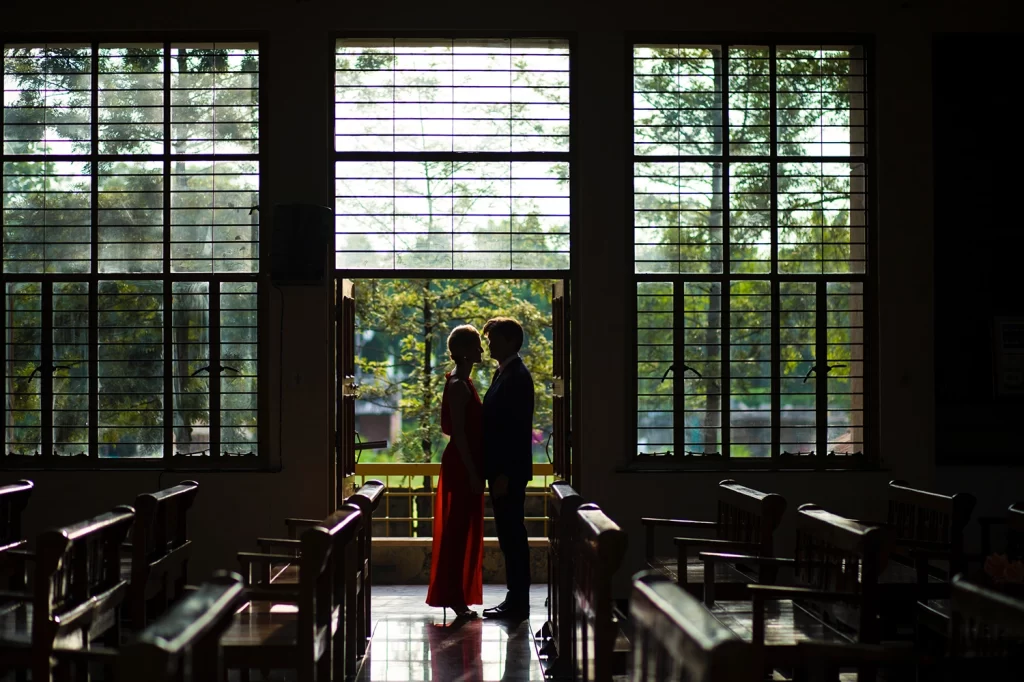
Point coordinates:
pixel 131 216
pixel 214 225
pixel 750 417
pixel 749 101
pixel 240 358
pixel 190 341
pixel 655 348
pixel 215 98
pixel 750 218
pixel 822 218
pixel 47 99
pixel 452 215
pixel 702 375
pixel 131 368
pixel 47 217
pixel 846 358
pixel 820 98
pixel 677 215
pixel 71 368
pixel 131 99
pixel 677 100
pixel 452 95
pixel 797 320
pixel 23 385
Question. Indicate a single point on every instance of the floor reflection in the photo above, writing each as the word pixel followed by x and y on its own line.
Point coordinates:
pixel 415 643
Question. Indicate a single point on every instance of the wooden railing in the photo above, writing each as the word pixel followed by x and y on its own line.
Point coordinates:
pixel 408 507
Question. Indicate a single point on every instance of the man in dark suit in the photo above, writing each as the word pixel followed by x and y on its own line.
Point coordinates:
pixel 508 459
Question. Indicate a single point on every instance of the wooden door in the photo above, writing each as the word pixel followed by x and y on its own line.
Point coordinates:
pixel 347 390
pixel 561 437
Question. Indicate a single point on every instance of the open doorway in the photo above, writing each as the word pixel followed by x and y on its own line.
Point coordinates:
pixel 392 372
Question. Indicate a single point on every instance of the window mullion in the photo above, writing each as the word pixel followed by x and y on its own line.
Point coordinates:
pixel 94 205
pixel 215 370
pixel 168 285
pixel 679 362
pixel 726 395
pixel 94 363
pixel 725 354
pixel 773 176
pixel 46 372
pixel 821 367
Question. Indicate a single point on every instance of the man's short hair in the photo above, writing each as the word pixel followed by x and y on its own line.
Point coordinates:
pixel 506 328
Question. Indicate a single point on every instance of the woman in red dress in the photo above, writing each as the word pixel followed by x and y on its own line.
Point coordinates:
pixel 456 566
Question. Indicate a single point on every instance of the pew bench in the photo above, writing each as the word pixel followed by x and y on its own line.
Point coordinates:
pixel 745 523
pixel 833 598
pixel 76 595
pixel 181 645
pixel 300 626
pixel 601 649
pixel 156 560
pixel 556 634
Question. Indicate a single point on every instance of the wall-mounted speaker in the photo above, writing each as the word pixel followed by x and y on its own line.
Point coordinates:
pixel 300 246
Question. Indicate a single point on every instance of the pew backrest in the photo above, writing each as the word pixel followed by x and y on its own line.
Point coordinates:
pixel 78 576
pixel 985 623
pixel 922 516
pixel 838 554
pixel 600 548
pixel 748 515
pixel 563 502
pixel 183 645
pixel 13 500
pixel 359 596
pixel 160 548
pixel 675 639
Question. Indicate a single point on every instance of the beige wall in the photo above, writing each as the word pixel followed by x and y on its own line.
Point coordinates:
pixel 234 508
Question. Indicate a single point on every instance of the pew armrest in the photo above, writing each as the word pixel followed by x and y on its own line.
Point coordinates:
pixel 295 526
pixel 713 557
pixel 763 592
pixel 261 562
pixel 678 523
pixel 717 544
pixel 268 545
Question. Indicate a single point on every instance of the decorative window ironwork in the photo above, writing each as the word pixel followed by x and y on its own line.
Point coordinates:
pixel 130 253
pixel 750 235
pixel 452 154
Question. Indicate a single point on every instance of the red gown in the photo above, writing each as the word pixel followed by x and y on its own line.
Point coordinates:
pixel 456 566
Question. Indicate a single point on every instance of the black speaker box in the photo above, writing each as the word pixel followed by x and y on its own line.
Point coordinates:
pixel 301 244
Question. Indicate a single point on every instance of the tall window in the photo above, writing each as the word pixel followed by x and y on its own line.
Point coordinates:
pixel 452 154
pixel 750 233
pixel 130 252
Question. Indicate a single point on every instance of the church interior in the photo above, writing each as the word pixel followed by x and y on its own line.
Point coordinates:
pixel 237 238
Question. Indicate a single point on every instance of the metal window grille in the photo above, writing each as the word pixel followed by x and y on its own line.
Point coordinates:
pixel 130 252
pixel 452 154
pixel 750 235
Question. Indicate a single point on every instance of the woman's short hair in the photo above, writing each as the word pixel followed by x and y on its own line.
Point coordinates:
pixel 460 338
pixel 506 328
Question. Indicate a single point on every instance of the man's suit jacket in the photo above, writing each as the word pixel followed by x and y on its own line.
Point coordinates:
pixel 508 425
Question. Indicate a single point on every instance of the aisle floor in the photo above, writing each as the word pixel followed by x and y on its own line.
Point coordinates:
pixel 413 642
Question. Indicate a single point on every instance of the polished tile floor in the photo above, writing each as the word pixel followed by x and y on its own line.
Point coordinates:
pixel 413 642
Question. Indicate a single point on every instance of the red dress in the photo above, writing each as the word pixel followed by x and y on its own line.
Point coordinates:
pixel 456 566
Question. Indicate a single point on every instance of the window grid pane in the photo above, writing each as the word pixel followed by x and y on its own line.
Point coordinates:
pixel 655 354
pixel 452 154
pixel 798 207
pixel 61 215
pixel 239 356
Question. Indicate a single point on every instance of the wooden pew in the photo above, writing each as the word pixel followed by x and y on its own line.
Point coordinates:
pixel 77 594
pixel 986 637
pixel 312 637
pixel 1013 522
pixel 675 639
pixel 360 588
pixel 182 645
pixel 833 599
pixel 745 523
pixel 927 528
pixel 13 500
pixel 600 547
pixel 160 550
pixel 557 632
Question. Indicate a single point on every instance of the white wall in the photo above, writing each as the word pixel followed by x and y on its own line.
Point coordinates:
pixel 234 508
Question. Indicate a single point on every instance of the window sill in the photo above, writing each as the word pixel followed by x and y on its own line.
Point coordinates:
pixel 804 464
pixel 179 464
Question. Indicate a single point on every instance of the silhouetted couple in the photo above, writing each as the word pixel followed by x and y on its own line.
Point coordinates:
pixel 492 441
